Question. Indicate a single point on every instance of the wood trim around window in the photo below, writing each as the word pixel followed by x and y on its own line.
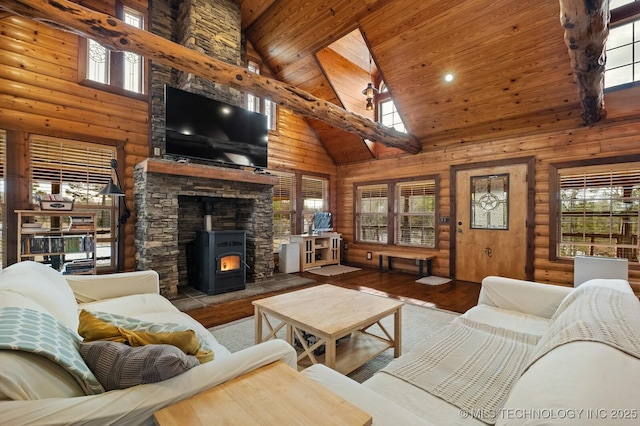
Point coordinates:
pixel 391 210
pixel 554 225
pixel 116 60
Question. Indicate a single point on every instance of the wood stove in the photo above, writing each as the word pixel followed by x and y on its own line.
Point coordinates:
pixel 220 259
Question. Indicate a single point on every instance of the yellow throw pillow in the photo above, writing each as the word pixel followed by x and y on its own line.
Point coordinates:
pixel 93 329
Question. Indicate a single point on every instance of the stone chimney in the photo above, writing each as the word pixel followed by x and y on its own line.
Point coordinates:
pixel 212 28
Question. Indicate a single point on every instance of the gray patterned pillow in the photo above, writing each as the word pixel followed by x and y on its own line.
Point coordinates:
pixel 119 366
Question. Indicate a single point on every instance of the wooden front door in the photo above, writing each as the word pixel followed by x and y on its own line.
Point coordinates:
pixel 491 222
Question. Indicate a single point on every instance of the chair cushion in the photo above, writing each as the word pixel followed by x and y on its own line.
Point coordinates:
pixel 119 366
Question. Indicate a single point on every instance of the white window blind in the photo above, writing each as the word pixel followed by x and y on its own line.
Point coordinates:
pixel 313 194
pixel 283 209
pixel 416 209
pixel 80 169
pixel 371 213
pixel 599 211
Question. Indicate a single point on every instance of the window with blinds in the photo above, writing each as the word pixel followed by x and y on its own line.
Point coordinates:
pixel 599 211
pixel 372 212
pixel 411 222
pixel 314 198
pixel 283 209
pixel 416 212
pixel 77 171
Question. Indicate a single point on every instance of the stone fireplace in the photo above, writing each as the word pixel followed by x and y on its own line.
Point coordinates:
pixel 169 195
pixel 169 203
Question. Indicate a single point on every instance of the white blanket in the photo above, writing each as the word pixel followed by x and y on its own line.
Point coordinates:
pixel 468 364
pixel 596 314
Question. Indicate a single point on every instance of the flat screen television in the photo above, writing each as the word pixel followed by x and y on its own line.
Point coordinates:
pixel 203 128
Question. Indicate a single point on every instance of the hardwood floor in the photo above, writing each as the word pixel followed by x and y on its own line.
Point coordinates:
pixel 456 296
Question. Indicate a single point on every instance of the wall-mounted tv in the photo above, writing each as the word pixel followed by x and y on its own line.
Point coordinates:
pixel 202 128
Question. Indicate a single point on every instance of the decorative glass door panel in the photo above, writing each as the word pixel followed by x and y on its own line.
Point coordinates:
pixel 490 202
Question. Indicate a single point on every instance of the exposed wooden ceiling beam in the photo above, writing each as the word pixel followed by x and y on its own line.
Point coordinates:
pixel 586 28
pixel 118 36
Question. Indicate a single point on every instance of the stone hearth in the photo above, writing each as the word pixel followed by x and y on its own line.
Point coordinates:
pixel 169 211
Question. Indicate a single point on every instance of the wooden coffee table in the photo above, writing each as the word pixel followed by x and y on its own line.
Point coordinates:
pixel 330 313
pixel 275 394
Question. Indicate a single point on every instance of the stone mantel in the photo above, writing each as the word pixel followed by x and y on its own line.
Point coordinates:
pixel 154 165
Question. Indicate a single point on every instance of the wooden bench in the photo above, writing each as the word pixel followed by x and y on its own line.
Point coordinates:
pixel 421 258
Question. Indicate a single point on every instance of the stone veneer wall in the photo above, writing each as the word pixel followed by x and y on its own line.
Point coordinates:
pixel 168 209
pixel 211 27
pixel 169 212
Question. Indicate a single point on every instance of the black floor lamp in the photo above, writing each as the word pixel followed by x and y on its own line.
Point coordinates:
pixel 114 190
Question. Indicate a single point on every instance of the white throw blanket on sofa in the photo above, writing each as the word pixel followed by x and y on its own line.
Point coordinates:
pixel 473 366
pixel 597 314
pixel 468 364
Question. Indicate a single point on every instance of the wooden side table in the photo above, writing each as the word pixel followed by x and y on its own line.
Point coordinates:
pixel 275 394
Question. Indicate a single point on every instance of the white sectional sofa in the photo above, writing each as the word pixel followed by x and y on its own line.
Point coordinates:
pixel 37 391
pixel 579 380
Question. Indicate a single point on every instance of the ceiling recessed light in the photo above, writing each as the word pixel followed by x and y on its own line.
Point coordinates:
pixel 448 77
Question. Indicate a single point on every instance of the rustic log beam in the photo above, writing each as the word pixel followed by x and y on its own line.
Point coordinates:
pixel 586 28
pixel 117 35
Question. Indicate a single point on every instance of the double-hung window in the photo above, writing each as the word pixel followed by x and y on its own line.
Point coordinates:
pixel 372 212
pixel 623 44
pixel 77 171
pixel 296 198
pixel 120 70
pixel 283 208
pixel 597 211
pixel 416 206
pixel 314 198
pixel 399 213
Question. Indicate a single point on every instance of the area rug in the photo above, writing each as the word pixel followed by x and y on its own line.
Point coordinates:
pixel 433 280
pixel 418 323
pixel 328 271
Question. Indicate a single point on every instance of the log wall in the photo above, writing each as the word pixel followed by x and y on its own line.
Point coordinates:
pixel 40 94
pixel 618 135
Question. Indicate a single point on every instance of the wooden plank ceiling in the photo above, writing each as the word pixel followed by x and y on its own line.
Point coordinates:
pixel 508 59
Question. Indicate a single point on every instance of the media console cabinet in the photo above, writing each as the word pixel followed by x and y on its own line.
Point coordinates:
pixel 318 250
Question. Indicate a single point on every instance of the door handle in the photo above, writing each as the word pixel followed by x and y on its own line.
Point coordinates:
pixel 488 251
